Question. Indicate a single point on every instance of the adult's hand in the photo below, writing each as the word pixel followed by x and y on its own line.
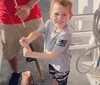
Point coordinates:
pixel 23 11
pixel 24 42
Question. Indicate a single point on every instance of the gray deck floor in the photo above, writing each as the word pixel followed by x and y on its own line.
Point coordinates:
pixel 74 78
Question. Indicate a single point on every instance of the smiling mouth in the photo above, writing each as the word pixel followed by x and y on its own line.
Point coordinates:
pixel 59 22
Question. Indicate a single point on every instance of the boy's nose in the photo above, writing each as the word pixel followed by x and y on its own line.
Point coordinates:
pixel 59 17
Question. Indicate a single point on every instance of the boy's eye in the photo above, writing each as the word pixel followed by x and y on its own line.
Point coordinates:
pixel 64 14
pixel 56 14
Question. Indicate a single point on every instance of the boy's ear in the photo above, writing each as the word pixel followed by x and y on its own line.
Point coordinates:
pixel 50 15
pixel 70 16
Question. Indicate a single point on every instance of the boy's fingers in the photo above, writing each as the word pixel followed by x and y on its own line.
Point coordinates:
pixel 27 47
pixel 23 40
pixel 25 51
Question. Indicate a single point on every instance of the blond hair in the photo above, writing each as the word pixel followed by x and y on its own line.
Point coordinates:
pixel 63 3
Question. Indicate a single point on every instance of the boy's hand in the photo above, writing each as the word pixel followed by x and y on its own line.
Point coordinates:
pixel 23 11
pixel 24 42
pixel 27 52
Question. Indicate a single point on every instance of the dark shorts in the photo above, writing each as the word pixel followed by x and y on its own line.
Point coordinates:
pixel 59 76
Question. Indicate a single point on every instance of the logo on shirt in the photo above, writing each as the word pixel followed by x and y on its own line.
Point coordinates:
pixel 62 43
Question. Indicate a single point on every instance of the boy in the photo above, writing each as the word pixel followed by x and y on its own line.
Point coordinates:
pixel 58 38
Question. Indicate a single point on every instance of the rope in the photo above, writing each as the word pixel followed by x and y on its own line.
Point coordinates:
pixel 96 26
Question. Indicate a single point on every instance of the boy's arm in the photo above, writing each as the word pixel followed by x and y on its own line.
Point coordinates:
pixel 33 35
pixel 41 55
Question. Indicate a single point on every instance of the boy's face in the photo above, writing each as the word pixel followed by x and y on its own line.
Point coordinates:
pixel 60 15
